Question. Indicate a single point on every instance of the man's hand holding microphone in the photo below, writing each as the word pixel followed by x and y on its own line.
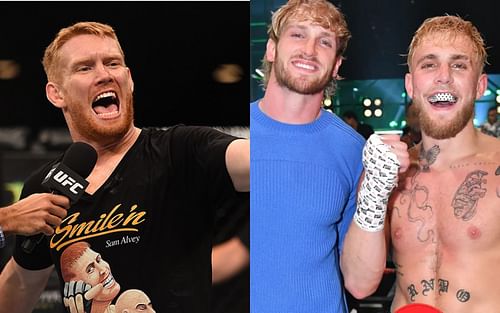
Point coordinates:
pixel 39 214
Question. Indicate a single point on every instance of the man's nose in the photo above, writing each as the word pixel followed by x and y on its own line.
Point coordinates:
pixel 444 75
pixel 310 47
pixel 103 74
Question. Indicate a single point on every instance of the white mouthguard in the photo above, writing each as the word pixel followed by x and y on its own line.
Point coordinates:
pixel 442 97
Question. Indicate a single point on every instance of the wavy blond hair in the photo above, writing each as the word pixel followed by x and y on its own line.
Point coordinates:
pixel 452 27
pixel 319 12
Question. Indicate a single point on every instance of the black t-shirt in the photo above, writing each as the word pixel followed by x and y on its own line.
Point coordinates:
pixel 149 227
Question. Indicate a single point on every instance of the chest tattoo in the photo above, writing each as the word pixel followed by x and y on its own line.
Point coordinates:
pixel 467 196
pixel 418 209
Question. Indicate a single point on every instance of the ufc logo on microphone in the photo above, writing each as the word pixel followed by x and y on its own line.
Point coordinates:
pixel 65 180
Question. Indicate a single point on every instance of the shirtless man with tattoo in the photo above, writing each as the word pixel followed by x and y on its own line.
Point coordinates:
pixel 443 217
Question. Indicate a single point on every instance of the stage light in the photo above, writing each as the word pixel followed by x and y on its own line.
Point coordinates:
pixel 377 102
pixel 327 102
pixel 403 123
pixel 367 102
pixel 377 112
pixel 497 99
pixel 367 113
pixel 487 92
pixel 393 124
pixel 9 69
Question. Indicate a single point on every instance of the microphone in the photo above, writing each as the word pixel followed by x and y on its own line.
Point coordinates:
pixel 67 178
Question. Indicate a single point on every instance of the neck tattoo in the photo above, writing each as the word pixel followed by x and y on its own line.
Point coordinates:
pixel 427 158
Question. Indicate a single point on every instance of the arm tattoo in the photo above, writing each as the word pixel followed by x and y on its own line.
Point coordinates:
pixel 428 157
pixel 465 201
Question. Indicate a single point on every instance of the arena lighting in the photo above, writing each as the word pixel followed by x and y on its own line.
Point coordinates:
pixel 393 124
pixel 487 92
pixel 259 72
pixel 498 109
pixel 367 102
pixel 228 73
pixel 497 98
pixel 9 69
pixel 372 107
pixel 327 102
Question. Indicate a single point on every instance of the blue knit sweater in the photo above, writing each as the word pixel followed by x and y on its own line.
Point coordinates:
pixel 303 196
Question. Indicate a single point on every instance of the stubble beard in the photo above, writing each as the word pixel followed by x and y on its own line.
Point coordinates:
pixel 438 129
pixel 299 84
pixel 88 128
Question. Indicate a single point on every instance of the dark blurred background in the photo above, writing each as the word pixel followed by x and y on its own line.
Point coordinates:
pixel 174 49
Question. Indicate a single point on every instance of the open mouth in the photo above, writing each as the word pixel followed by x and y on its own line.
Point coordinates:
pixel 106 104
pixel 442 99
pixel 108 282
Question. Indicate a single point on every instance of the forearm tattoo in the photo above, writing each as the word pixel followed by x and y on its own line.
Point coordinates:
pixel 465 201
pixel 427 286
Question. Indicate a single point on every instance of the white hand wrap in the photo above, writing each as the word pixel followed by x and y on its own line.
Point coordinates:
pixel 381 176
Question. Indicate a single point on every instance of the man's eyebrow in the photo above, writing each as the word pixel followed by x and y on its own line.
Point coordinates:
pixel 303 27
pixel 429 56
pixel 454 57
pixel 89 59
pixel 460 57
pixel 292 26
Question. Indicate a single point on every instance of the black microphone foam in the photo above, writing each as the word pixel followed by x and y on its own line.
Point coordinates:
pixel 81 158
pixel 67 178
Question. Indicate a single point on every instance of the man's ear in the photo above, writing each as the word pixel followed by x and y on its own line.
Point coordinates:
pixel 54 94
pixel 131 80
pixel 336 67
pixel 409 84
pixel 482 84
pixel 270 50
